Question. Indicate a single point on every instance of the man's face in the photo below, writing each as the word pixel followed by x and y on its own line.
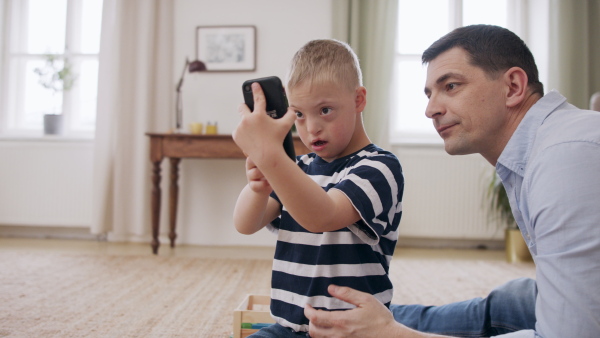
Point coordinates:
pixel 467 107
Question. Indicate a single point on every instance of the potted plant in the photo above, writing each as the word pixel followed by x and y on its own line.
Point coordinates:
pixel 516 248
pixel 57 76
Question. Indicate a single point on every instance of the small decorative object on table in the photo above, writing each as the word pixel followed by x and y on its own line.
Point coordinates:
pixel 212 129
pixel 196 128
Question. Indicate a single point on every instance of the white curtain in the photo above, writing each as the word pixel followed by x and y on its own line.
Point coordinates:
pixel 574 49
pixel 134 96
pixel 370 29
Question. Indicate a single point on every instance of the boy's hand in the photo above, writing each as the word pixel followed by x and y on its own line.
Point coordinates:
pixel 259 135
pixel 256 180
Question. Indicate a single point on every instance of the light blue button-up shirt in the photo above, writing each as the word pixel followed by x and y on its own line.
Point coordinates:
pixel 551 171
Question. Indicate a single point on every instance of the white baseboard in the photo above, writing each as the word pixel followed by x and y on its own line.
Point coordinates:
pixel 21 231
pixel 442 243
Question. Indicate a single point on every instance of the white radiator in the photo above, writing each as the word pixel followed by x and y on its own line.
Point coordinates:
pixel 46 183
pixel 444 196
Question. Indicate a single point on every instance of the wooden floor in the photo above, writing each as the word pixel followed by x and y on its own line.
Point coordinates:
pixel 107 248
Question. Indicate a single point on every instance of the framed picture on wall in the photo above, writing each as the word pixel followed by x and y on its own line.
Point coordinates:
pixel 226 48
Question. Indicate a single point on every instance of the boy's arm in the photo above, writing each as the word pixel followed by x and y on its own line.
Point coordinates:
pixel 306 201
pixel 254 208
pixel 253 211
pixel 312 207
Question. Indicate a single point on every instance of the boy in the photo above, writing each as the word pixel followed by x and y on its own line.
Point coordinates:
pixel 335 211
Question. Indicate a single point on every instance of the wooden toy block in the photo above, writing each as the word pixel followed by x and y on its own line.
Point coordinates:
pixel 253 309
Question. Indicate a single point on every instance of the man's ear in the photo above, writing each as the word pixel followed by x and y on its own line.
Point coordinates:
pixel 516 86
pixel 360 99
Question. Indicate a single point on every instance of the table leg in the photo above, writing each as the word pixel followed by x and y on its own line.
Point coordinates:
pixel 174 193
pixel 155 205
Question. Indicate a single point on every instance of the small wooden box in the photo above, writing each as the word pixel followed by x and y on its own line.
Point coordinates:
pixel 254 309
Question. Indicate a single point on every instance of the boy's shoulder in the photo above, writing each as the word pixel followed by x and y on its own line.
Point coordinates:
pixel 370 158
pixel 374 153
pixel 374 150
pixel 368 152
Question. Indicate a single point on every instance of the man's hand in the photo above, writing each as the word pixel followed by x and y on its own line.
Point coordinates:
pixel 370 318
pixel 258 135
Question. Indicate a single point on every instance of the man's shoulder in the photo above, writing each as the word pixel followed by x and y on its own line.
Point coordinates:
pixel 567 136
pixel 567 125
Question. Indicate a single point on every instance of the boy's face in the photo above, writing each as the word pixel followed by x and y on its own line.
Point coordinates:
pixel 327 117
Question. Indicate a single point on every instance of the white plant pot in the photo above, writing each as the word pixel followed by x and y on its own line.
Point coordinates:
pixel 53 124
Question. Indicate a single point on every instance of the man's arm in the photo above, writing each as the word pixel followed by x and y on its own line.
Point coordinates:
pixel 563 200
pixel 312 207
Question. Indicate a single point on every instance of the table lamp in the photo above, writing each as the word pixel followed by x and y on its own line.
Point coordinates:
pixel 194 66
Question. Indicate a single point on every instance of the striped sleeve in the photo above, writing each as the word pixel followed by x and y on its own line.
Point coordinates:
pixel 374 186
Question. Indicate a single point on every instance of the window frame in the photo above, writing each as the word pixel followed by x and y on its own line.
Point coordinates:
pixel 515 21
pixel 13 71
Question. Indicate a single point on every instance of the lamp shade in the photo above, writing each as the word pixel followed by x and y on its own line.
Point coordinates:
pixel 197 66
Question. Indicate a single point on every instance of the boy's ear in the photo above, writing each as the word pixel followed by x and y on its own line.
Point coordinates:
pixel 516 86
pixel 360 99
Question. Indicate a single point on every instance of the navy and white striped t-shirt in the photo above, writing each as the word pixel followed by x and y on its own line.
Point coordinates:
pixel 357 256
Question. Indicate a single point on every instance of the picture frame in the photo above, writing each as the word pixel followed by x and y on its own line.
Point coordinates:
pixel 226 48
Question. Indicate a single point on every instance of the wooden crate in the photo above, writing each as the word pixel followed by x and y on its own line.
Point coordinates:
pixel 254 309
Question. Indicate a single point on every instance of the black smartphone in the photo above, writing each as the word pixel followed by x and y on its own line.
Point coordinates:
pixel 277 104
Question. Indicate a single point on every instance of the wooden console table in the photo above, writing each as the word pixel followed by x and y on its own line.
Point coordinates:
pixel 176 147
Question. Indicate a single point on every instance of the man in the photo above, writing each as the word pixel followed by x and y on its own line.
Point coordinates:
pixel 485 97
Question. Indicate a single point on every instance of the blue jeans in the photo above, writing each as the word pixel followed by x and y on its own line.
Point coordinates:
pixel 277 331
pixel 508 308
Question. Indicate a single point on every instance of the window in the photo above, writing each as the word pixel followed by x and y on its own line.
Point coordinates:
pixel 420 23
pixel 65 30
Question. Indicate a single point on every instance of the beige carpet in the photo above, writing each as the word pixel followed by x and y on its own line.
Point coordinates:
pixel 68 295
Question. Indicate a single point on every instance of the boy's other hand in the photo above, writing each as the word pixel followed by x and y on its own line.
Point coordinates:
pixel 259 135
pixel 256 180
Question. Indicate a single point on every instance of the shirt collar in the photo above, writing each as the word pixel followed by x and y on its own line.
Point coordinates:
pixel 516 153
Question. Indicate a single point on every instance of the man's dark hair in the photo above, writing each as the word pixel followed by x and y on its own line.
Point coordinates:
pixel 492 48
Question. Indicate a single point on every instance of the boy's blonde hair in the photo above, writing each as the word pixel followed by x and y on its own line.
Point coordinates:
pixel 325 61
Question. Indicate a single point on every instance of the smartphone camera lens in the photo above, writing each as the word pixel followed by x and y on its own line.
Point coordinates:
pixel 247 88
